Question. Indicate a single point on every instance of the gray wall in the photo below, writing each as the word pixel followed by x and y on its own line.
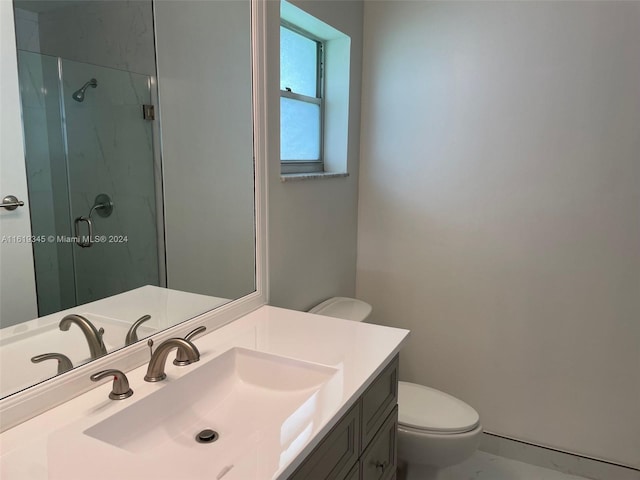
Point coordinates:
pixel 499 210
pixel 111 33
pixel 204 81
pixel 312 224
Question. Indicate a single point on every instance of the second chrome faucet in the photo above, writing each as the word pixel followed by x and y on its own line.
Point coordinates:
pixel 93 335
pixel 155 372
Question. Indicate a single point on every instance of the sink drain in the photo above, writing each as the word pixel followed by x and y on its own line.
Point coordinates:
pixel 207 436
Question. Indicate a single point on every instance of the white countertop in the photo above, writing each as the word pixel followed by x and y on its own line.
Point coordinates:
pixel 53 445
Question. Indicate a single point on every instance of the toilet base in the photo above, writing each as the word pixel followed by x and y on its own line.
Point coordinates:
pixel 425 456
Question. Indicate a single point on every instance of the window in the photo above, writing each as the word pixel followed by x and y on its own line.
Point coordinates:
pixel 315 64
pixel 301 100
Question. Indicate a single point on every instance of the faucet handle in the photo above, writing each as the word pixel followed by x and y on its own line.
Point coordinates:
pixel 181 357
pixel 132 334
pixel 64 364
pixel 120 389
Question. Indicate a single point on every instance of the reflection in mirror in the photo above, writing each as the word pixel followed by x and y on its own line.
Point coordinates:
pixel 124 230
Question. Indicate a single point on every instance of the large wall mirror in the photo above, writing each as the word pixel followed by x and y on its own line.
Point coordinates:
pixel 138 136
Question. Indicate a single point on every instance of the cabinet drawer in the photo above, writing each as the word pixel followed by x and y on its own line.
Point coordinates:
pixel 337 453
pixel 378 400
pixel 379 461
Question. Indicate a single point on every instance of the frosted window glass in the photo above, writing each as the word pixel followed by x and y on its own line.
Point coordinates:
pixel 299 130
pixel 298 63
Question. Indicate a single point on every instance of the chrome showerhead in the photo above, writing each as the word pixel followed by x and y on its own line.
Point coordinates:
pixel 78 95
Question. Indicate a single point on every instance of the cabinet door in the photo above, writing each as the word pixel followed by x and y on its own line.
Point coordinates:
pixel 354 474
pixel 379 461
pixel 336 455
pixel 378 401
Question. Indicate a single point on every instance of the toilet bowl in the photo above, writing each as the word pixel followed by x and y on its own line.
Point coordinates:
pixel 435 429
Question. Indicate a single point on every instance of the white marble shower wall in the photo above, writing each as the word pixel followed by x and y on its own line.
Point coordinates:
pixel 110 150
pixel 111 33
pixel 47 179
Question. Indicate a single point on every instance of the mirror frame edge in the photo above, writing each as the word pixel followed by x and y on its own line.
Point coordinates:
pixel 21 406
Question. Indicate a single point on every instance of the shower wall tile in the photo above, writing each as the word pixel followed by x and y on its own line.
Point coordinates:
pixel 113 33
pixel 27 30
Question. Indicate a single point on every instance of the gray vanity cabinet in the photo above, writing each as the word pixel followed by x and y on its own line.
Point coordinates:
pixel 379 461
pixel 362 445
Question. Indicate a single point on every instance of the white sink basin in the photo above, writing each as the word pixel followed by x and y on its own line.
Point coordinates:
pixel 247 397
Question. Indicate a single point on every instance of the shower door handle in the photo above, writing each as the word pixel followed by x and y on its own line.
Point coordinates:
pixel 84 241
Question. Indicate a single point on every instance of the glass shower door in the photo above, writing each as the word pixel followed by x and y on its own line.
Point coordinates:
pixel 47 180
pixel 110 152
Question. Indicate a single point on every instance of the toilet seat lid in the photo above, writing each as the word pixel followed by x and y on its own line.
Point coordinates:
pixel 431 410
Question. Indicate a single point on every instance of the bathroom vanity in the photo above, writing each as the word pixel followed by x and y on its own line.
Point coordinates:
pixel 362 445
pixel 291 395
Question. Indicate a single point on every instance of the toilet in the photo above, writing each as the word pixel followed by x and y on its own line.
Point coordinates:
pixel 435 430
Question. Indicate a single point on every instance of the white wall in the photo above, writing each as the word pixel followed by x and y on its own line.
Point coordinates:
pixel 312 224
pixel 204 81
pixel 17 283
pixel 499 210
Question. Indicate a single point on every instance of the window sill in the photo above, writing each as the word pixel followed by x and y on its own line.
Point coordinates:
pixel 298 177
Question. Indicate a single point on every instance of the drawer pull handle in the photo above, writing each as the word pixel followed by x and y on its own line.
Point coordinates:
pixel 382 466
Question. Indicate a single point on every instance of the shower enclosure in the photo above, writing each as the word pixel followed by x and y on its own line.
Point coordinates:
pixel 91 162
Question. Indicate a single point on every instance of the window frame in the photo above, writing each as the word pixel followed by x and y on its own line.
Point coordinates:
pixel 308 166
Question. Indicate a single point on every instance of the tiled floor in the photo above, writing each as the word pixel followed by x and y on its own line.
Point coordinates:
pixel 485 466
pixel 556 460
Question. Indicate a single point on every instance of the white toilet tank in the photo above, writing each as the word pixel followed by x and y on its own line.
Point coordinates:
pixel 343 307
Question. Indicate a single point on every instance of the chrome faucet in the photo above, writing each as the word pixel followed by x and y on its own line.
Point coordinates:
pixel 132 334
pixel 181 357
pixel 155 372
pixel 93 336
